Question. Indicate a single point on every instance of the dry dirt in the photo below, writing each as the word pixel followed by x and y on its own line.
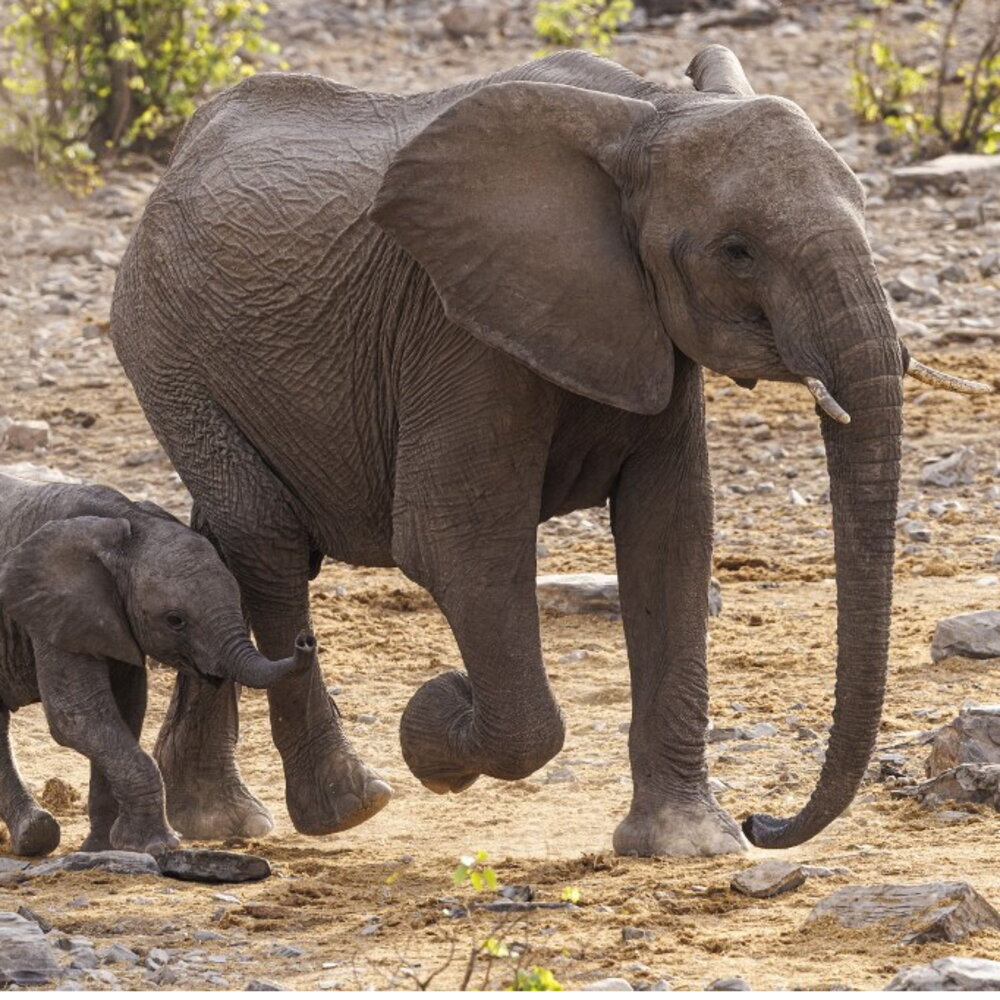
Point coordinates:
pixel 365 905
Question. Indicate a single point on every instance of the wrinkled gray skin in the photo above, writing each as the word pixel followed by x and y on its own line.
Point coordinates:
pixel 405 330
pixel 91 583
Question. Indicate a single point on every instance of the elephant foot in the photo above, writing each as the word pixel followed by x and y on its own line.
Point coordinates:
pixel 331 791
pixel 34 832
pixel 205 804
pixel 434 726
pixel 679 829
pixel 436 736
pixel 129 834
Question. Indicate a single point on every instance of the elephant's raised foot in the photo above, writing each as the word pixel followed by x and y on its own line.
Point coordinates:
pixel 333 793
pixel 679 830
pixel 440 744
pixel 33 833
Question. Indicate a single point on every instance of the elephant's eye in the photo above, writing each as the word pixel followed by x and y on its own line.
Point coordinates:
pixel 175 621
pixel 737 252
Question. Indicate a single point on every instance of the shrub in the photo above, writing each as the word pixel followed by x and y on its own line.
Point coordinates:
pixel 85 79
pixel 584 24
pixel 937 86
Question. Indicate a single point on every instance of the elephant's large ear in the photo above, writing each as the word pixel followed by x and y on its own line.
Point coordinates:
pixel 59 585
pixel 509 202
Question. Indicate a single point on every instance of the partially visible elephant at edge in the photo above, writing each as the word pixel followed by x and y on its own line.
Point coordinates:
pixel 402 331
pixel 90 584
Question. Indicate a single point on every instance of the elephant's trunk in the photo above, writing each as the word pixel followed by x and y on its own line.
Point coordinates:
pixel 242 663
pixel 865 368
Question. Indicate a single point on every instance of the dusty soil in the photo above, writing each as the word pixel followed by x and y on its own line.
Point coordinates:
pixel 368 905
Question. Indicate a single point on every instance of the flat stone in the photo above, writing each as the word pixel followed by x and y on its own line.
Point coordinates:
pixel 965 783
pixel 469 19
pixel 769 878
pixel 915 914
pixel 945 174
pixel 118 953
pixel 608 985
pixel 117 862
pixel 637 934
pixel 971 738
pixel 953 974
pixel 732 984
pixel 26 958
pixel 259 985
pixel 213 866
pixel 595 594
pixel 956 469
pixel 975 635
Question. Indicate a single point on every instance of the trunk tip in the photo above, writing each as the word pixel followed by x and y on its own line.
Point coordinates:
pixel 763 830
pixel 306 642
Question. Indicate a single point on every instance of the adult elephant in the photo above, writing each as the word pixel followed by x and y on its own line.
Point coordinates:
pixel 405 330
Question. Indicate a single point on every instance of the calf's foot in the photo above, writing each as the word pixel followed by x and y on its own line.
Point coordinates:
pixel 133 834
pixel 679 828
pixel 34 832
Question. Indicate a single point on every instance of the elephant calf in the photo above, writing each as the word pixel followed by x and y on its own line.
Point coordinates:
pixel 90 584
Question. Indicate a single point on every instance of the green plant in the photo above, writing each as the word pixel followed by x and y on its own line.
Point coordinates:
pixel 473 870
pixel 585 24
pixel 535 978
pixel 937 87
pixel 84 79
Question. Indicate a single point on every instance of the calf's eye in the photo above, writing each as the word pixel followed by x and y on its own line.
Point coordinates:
pixel 175 620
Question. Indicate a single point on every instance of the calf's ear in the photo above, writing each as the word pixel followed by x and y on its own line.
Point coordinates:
pixel 61 584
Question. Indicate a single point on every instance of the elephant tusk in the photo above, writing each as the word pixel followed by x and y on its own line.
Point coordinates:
pixel 826 402
pixel 941 380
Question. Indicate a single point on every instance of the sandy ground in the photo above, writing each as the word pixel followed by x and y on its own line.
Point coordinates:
pixel 368 905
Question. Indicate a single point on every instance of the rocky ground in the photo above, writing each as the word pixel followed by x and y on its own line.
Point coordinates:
pixel 375 907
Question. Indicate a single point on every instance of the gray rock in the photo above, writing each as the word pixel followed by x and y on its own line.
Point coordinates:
pixel 975 635
pixel 952 974
pixel 989 264
pixel 156 958
pixel 117 862
pixel 637 934
pixel 579 593
pixel 915 914
pixel 595 594
pixel 914 531
pixel 733 984
pixel 259 985
pixel 955 470
pixel 608 985
pixel 286 951
pixel 945 174
pixel 965 783
pixel 119 954
pixel 769 878
pixel 29 914
pixel 71 241
pixel 470 20
pixel 26 958
pixel 971 738
pixel 213 866
pixel 83 958
pixel 27 435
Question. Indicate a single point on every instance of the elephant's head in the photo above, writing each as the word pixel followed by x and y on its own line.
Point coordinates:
pixel 591 235
pixel 127 587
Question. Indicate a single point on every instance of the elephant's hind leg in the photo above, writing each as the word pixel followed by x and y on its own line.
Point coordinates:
pixel 129 689
pixel 248 514
pixel 33 831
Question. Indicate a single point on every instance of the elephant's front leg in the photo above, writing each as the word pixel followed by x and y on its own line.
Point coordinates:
pixel 33 830
pixel 82 714
pixel 662 520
